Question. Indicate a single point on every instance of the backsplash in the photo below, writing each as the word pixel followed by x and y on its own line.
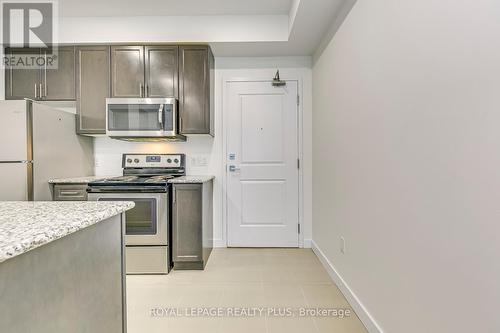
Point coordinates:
pixel 199 150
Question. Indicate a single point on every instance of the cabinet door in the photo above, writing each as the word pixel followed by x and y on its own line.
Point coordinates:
pixel 194 90
pixel 59 84
pixel 161 71
pixel 187 222
pixel 127 71
pixel 92 88
pixel 21 83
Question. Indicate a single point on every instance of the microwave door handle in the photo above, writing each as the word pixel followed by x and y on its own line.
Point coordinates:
pixel 160 114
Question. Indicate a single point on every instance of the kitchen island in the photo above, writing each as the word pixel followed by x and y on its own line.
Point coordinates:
pixel 62 267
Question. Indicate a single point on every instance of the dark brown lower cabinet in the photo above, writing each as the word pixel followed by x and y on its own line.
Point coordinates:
pixel 192 226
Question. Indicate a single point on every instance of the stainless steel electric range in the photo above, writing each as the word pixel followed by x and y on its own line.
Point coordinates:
pixel 145 181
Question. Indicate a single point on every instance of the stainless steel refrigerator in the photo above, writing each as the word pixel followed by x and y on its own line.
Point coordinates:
pixel 37 143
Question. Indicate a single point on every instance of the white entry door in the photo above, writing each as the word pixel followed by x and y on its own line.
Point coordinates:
pixel 262 160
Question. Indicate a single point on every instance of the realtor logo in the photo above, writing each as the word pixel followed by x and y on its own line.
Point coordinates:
pixel 29 27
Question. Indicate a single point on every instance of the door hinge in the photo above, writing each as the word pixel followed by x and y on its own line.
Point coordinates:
pixel 298 163
pixel 298 99
pixel 298 227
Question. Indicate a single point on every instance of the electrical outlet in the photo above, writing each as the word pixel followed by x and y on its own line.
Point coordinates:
pixel 342 245
pixel 202 161
pixel 199 161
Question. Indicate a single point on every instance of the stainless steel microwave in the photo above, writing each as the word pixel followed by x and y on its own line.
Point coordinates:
pixel 142 119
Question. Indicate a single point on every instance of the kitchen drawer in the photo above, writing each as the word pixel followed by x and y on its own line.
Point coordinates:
pixel 70 192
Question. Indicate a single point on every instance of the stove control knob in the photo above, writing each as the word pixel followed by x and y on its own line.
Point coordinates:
pixel 129 160
pixel 176 161
pixel 169 160
pixel 136 160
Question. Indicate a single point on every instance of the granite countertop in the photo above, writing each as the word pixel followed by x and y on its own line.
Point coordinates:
pixel 191 179
pixel 27 225
pixel 77 180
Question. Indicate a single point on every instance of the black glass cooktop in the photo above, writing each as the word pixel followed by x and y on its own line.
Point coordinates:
pixel 133 181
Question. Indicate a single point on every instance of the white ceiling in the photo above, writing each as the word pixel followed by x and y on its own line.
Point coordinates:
pixel 79 8
pixel 233 27
pixel 311 23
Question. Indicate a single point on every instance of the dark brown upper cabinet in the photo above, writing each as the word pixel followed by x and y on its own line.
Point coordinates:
pixel 162 68
pixel 127 71
pixel 144 71
pixel 43 84
pixel 196 82
pixel 92 88
pixel 59 84
pixel 90 74
pixel 21 83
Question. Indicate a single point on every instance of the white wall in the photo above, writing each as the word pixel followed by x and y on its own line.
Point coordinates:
pixel 212 28
pixel 406 162
pixel 108 152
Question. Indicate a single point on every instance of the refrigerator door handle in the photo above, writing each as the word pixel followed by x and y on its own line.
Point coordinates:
pixel 30 181
pixel 23 161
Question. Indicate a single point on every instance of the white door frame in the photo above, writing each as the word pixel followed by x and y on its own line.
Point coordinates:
pixel 227 79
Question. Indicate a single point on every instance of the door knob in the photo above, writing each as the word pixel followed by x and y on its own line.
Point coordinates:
pixel 233 168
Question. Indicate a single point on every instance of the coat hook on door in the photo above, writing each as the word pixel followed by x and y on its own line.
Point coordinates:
pixel 277 81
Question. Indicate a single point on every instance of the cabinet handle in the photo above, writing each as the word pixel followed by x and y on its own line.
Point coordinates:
pixel 71 193
pixel 173 194
pixel 43 91
pixel 45 78
pixel 36 91
pixel 147 91
pixel 140 90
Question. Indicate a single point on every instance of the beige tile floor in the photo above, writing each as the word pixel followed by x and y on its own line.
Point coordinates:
pixel 270 279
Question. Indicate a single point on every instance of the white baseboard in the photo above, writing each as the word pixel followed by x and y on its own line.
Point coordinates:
pixel 218 243
pixel 358 307
pixel 307 243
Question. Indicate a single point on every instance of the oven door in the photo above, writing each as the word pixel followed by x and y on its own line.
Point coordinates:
pixel 145 117
pixel 147 222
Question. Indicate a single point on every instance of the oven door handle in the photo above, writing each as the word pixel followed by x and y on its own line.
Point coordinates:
pixel 126 190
